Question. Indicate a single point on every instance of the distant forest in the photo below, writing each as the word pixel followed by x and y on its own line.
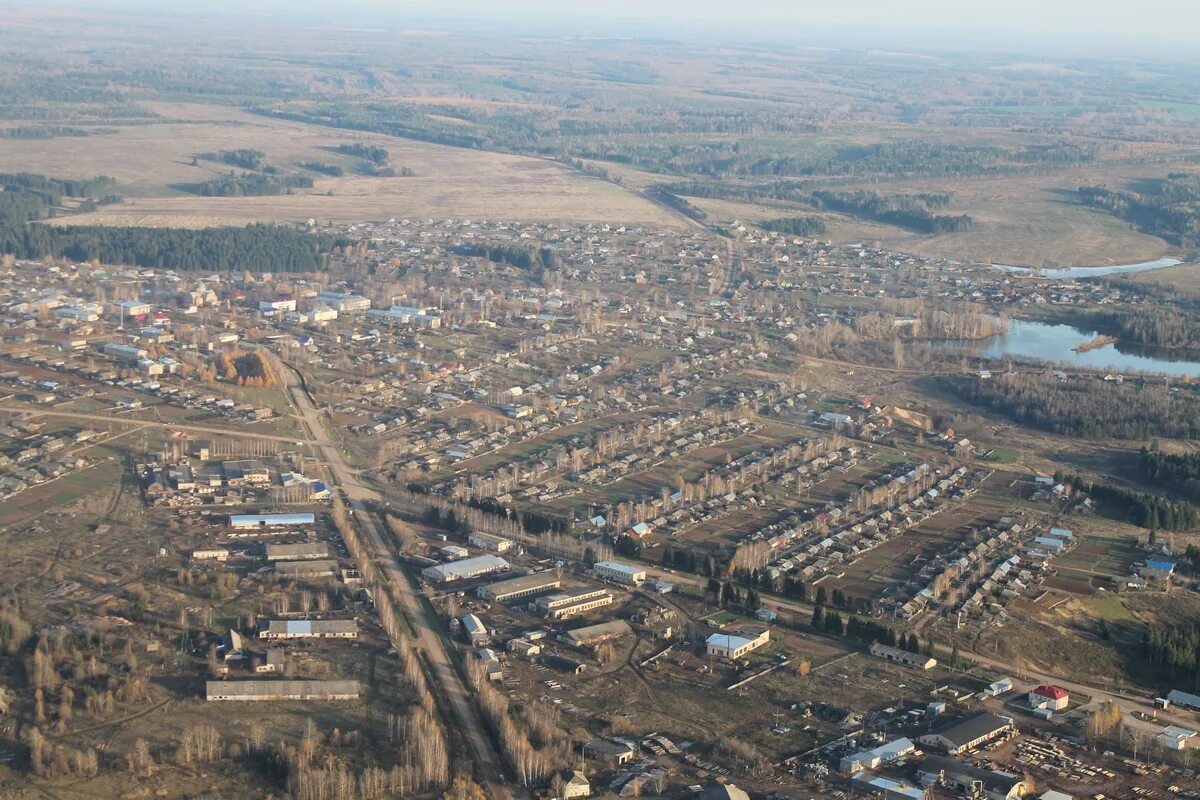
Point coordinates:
pixel 795 226
pixel 1168 208
pixel 1086 406
pixel 1153 325
pixel 905 211
pixel 248 184
pixel 27 198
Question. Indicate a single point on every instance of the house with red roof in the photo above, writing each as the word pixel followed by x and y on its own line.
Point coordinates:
pixel 1049 697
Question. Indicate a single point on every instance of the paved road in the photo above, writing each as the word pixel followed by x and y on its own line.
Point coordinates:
pixel 150 423
pixel 466 714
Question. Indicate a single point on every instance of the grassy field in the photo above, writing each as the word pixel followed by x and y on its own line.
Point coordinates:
pixel 1184 277
pixel 149 160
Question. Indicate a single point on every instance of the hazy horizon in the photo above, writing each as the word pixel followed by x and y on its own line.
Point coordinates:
pixel 1154 27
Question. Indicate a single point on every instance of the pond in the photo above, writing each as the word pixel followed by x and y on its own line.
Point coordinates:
pixel 1053 343
pixel 1095 272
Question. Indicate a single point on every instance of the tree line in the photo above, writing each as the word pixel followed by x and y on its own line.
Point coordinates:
pixel 27 198
pixel 795 226
pixel 662 195
pixel 1155 325
pixel 1143 509
pixel 1177 471
pixel 1175 652
pixel 905 211
pixel 1168 208
pixel 248 184
pixel 1086 406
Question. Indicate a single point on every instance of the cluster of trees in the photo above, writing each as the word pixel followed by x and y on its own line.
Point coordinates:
pixel 246 368
pixel 534 748
pixel 26 198
pixel 526 258
pixel 242 157
pixel 795 226
pixel 332 170
pixel 368 152
pixel 1175 652
pixel 906 211
pixel 662 195
pixel 1177 471
pixel 1153 325
pixel 687 560
pixel 1141 508
pixel 921 321
pixel 44 132
pixel 1087 407
pixel 248 184
pixel 1169 208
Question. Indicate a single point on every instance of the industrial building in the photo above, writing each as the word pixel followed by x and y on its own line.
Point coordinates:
pixel 619 571
pixel 210 554
pixel 524 586
pixel 466 568
pixel 477 632
pixel 485 541
pixel 905 657
pixel 876 756
pixel 280 690
pixel 308 629
pixel 594 634
pixel 968 733
pixel 731 646
pixel 950 774
pixel 297 552
pixel 242 521
pixel 307 569
pixel 573 603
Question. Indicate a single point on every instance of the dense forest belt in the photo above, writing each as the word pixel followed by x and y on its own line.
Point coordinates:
pixel 1177 472
pixel 1171 326
pixel 26 200
pixel 1086 406
pixel 1168 208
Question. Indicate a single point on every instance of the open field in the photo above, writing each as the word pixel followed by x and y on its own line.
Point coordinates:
pixel 1025 220
pixel 1184 277
pixel 148 160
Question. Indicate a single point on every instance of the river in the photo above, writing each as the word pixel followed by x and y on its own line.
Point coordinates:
pixel 1094 272
pixel 1053 343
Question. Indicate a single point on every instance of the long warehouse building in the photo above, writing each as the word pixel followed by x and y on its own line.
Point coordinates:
pixel 573 602
pixel 280 690
pixel 524 586
pixel 321 568
pixel 465 568
pixel 308 629
pixel 297 552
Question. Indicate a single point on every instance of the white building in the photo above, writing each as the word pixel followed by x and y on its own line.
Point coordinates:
pixel 476 631
pixel 343 302
pixel 1175 738
pixel 466 568
pixel 485 541
pixel 731 646
pixel 876 756
pixel 573 603
pixel 619 571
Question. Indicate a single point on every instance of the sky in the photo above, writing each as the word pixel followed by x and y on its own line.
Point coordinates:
pixel 1011 23
pixel 1118 19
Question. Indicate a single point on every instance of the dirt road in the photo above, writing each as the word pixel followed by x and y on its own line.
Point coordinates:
pixel 466 715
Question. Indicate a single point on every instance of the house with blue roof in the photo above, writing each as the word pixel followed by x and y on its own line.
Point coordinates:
pixel 1158 569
